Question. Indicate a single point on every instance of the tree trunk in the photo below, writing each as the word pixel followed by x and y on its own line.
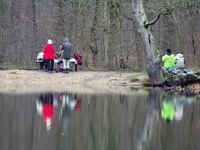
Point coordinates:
pixel 34 22
pixel 152 53
pixel 106 30
pixel 93 35
pixel 1 31
pixel 115 33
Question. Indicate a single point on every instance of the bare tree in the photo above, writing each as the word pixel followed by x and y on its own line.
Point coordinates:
pixel 153 61
pixel 104 31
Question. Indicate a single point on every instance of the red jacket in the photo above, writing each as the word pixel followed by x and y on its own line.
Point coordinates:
pixel 78 58
pixel 49 51
pixel 48 112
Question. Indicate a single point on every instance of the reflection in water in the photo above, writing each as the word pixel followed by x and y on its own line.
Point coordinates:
pixel 167 112
pixel 46 106
pixel 173 106
pixel 177 129
pixel 67 106
pixel 180 102
pixel 99 122
pixel 150 118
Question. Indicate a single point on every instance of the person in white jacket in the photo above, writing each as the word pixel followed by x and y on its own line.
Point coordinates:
pixel 179 61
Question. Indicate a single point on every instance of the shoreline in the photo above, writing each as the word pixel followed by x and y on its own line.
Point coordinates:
pixel 36 81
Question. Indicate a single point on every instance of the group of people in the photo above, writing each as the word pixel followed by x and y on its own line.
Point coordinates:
pixel 172 62
pixel 47 103
pixel 50 55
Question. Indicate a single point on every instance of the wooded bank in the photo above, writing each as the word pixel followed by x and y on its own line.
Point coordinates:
pixel 104 31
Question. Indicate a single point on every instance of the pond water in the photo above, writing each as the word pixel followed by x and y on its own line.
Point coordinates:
pixel 150 120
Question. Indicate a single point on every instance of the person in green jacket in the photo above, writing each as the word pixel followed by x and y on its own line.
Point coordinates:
pixel 167 112
pixel 169 61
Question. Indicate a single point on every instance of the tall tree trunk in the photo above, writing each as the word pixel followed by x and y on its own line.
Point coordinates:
pixel 93 35
pixel 61 33
pixel 34 21
pixel 1 31
pixel 153 60
pixel 106 30
pixel 115 33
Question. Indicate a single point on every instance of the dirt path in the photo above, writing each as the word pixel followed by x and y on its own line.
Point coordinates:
pixel 23 81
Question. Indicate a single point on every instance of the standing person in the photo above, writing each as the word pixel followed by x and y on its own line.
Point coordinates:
pixel 67 49
pixel 45 107
pixel 169 61
pixel 49 55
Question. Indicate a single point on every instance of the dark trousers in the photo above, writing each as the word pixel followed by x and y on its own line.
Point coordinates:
pixel 49 64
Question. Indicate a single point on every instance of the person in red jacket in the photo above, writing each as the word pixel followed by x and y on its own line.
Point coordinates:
pixel 46 105
pixel 48 110
pixel 49 55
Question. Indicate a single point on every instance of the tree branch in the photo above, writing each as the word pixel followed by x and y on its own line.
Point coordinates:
pixel 146 23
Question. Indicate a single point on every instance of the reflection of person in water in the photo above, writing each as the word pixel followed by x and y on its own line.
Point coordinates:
pixel 65 111
pixel 45 107
pixel 180 102
pixel 167 112
pixel 72 103
pixel 48 110
pixel 67 106
pixel 173 108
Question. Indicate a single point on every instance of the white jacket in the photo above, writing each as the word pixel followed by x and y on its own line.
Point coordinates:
pixel 179 61
pixel 40 55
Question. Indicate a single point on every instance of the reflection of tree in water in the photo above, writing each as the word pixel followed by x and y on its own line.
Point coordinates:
pixel 177 128
pixel 179 132
pixel 122 122
pixel 151 117
pixel 173 106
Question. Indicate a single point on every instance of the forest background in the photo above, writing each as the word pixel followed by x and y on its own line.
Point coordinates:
pixel 103 31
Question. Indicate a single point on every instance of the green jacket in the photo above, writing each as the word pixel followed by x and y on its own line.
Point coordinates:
pixel 169 61
pixel 167 111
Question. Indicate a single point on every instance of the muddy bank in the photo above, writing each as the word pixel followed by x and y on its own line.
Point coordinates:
pixel 26 81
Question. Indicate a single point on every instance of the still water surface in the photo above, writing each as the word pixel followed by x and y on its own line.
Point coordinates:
pixel 150 120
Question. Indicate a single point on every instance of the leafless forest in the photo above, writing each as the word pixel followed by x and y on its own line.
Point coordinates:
pixel 103 31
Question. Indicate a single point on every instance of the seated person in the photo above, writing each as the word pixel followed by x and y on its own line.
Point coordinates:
pixel 40 60
pixel 59 67
pixel 169 61
pixel 180 63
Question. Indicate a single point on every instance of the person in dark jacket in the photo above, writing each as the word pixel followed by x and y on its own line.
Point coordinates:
pixel 67 49
pixel 49 55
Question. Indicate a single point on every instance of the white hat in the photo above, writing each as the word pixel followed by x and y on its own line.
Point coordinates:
pixel 49 41
pixel 179 55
